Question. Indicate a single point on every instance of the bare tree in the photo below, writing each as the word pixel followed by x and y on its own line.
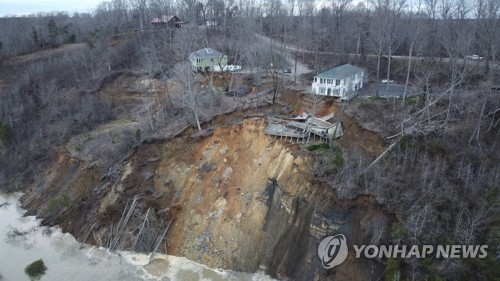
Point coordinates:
pixel 393 10
pixel 190 95
pixel 140 6
pixel 457 41
pixel 377 37
pixel 339 10
pixel 415 34
pixel 187 40
pixel 487 30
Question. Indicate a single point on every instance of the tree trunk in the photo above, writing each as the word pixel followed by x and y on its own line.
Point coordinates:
pixel 195 111
pixel 408 72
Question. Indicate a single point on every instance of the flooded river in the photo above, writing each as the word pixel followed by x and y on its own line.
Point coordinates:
pixel 23 240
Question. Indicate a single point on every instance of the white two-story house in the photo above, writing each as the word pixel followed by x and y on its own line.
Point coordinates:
pixel 339 81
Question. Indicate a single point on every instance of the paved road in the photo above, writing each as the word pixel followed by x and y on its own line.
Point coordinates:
pixel 295 80
pixel 301 68
pixel 291 48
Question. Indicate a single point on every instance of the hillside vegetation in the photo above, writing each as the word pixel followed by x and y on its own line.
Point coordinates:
pixel 102 119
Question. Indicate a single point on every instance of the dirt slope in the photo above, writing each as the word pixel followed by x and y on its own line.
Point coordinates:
pixel 236 199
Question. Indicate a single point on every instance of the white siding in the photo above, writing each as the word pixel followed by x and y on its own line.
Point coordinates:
pixel 323 86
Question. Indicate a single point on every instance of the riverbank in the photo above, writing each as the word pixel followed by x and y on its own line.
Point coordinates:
pixel 23 241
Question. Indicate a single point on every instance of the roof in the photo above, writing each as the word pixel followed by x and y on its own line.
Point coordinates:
pixel 393 90
pixel 165 19
pixel 207 53
pixel 340 72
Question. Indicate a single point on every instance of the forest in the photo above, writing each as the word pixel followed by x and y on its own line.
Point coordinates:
pixel 438 176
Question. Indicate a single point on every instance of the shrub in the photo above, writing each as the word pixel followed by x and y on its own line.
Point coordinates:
pixel 487 266
pixel 411 100
pixel 405 142
pixel 35 269
pixel 72 38
pixel 58 203
pixel 399 231
pixel 338 160
pixel 318 146
pixel 436 147
pixel 393 270
pixel 431 274
pixel 4 132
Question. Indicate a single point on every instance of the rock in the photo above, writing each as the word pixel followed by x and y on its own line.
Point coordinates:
pixel 207 167
pixel 216 180
pixel 119 188
pixel 227 172
pixel 157 194
pixel 321 224
pixel 154 159
pixel 148 175
pixel 223 151
pixel 203 134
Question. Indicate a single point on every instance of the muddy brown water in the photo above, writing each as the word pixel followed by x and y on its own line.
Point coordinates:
pixel 23 241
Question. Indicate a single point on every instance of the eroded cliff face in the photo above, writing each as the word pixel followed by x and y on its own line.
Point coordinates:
pixel 222 187
pixel 234 198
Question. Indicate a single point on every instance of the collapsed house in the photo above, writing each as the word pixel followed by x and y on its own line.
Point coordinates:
pixel 304 127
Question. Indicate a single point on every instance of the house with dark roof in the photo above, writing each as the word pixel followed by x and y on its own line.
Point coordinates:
pixel 389 90
pixel 207 59
pixel 339 81
pixel 170 20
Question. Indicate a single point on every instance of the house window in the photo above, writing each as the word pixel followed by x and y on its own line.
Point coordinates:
pixel 321 80
pixel 337 82
pixel 322 90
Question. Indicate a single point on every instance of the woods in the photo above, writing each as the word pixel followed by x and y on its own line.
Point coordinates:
pixel 98 85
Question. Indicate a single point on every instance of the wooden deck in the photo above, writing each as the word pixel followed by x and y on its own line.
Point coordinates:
pixel 327 117
pixel 303 131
